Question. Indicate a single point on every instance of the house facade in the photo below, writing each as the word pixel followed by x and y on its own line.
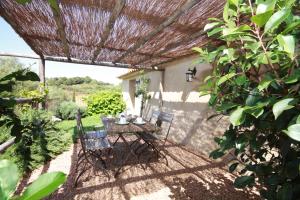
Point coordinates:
pixel 170 92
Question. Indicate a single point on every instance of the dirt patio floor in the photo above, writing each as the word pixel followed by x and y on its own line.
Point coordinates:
pixel 189 175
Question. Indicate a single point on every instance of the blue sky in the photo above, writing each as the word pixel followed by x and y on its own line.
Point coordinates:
pixel 10 42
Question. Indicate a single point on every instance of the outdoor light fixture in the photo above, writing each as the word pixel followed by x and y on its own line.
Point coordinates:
pixel 138 81
pixel 190 74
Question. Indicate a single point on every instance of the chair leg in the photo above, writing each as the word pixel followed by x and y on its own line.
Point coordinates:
pixel 145 145
pixel 79 160
pixel 165 157
pixel 98 156
pixel 116 141
pixel 80 174
pixel 78 164
pixel 134 142
pixel 139 147
pixel 158 153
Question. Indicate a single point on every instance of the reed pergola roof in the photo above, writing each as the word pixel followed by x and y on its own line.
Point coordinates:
pixel 133 33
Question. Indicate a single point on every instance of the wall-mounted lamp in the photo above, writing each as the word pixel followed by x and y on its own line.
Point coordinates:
pixel 137 82
pixel 190 74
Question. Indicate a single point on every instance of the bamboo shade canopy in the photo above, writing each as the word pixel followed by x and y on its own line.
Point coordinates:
pixel 137 33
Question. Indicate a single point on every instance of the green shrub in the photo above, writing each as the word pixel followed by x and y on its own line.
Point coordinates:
pixel 4 134
pixel 68 110
pixel 107 102
pixel 255 81
pixel 40 140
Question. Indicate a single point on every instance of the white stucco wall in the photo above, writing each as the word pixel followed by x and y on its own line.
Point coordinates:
pixel 127 94
pixel 170 90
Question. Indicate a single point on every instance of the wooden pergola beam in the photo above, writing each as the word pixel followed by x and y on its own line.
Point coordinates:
pixel 189 4
pixel 76 61
pixel 173 45
pixel 115 14
pixel 60 27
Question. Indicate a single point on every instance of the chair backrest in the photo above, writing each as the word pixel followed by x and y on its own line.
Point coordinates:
pixel 80 130
pixel 155 114
pixel 166 118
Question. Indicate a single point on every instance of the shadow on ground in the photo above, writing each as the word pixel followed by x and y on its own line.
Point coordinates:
pixel 189 175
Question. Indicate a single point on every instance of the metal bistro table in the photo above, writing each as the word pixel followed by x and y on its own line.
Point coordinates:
pixel 113 128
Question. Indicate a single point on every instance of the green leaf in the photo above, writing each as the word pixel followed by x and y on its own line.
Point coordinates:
pixel 211 25
pixel 203 93
pixel 236 31
pixel 276 19
pixel 287 43
pixel 298 120
pixel 294 132
pixel 216 154
pixel 255 111
pixel 289 3
pixel 214 31
pixel 54 5
pixel 253 46
pixel 241 80
pixel 265 83
pixel 214 19
pixel 261 19
pixel 265 6
pixel 225 78
pixel 253 98
pixel 237 117
pixel 232 167
pixel 212 100
pixel 263 12
pixel 9 177
pixel 283 105
pixel 207 78
pixel 198 49
pixel 225 12
pixel 243 181
pixel 293 78
pixel 291 27
pixel 43 186
pixel 226 106
pixel 234 2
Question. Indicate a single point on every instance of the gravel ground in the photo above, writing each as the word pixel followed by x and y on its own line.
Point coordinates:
pixel 188 175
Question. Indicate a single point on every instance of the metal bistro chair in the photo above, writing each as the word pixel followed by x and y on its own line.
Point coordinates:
pixel 156 141
pixel 154 116
pixel 93 143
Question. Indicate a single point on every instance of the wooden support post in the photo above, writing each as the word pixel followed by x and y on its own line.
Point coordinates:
pixel 161 90
pixel 42 71
pixel 42 80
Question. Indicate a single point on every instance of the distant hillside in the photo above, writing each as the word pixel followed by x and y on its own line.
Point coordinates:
pixel 73 81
